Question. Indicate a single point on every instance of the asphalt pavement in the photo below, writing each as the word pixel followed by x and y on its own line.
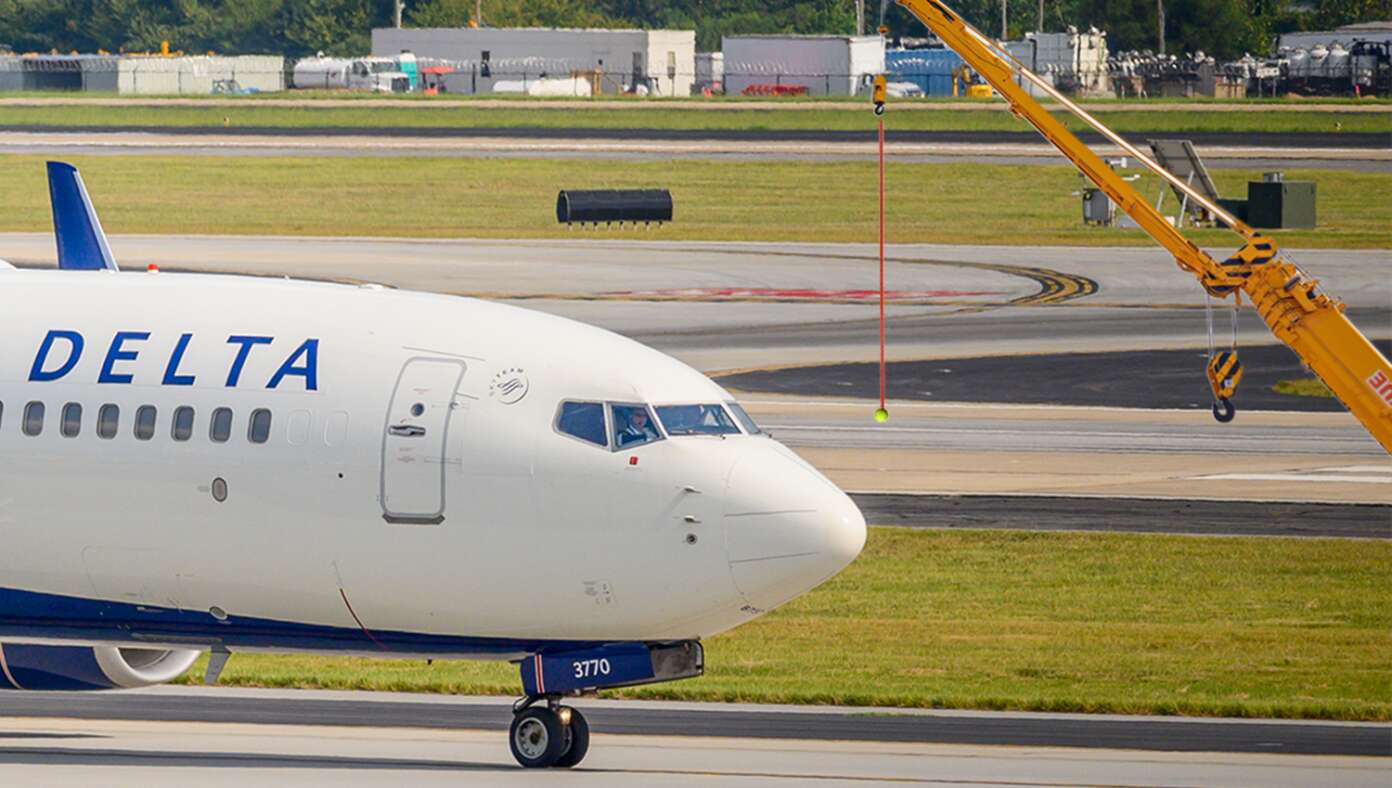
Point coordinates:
pixel 1134 379
pixel 1255 139
pixel 1127 515
pixel 384 710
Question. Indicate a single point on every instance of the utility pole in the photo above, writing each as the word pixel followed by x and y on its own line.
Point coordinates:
pixel 860 17
pixel 396 6
pixel 478 13
pixel 1005 32
pixel 1160 28
pixel 1039 27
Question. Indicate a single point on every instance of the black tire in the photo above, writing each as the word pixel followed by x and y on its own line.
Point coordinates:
pixel 579 741
pixel 537 737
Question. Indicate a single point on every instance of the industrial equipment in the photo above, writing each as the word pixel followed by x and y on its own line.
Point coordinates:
pixel 614 205
pixel 1308 321
pixel 1180 158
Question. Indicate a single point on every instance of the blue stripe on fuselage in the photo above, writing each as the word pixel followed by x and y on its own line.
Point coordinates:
pixel 30 614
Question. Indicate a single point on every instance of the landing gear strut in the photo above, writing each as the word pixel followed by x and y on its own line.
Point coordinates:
pixel 549 735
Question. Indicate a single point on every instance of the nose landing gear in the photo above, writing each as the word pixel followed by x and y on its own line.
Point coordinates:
pixel 548 736
pixel 544 733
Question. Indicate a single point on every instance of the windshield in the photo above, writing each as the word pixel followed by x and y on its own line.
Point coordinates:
pixel 696 420
pixel 633 426
pixel 743 418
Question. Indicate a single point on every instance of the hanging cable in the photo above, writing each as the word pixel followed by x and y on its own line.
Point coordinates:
pixel 882 414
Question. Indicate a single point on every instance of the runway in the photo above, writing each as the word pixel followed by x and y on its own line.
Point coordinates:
pixel 738 305
pixel 184 734
pixel 1328 153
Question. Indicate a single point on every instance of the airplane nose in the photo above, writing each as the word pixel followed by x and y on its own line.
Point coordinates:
pixel 787 527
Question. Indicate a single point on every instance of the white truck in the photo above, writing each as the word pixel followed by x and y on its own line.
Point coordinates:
pixel 378 74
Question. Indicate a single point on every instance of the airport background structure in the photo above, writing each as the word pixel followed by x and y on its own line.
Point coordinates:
pixel 823 65
pixel 613 60
pixel 144 74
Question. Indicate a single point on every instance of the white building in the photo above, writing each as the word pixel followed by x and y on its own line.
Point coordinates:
pixel 824 65
pixel 200 74
pixel 1074 61
pixel 143 74
pixel 614 60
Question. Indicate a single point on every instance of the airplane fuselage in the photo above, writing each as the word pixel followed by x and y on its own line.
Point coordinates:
pixel 286 465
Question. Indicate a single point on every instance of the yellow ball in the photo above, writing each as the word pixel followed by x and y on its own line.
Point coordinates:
pixel 881 415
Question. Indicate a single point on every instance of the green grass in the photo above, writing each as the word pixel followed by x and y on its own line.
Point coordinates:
pixel 1303 387
pixel 715 200
pixel 1038 621
pixel 1289 100
pixel 657 116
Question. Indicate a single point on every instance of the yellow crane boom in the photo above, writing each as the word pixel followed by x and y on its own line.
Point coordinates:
pixel 1306 320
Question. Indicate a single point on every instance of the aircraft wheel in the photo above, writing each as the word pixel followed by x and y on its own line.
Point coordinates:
pixel 579 741
pixel 538 738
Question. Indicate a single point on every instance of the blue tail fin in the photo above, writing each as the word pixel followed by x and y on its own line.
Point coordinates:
pixel 81 242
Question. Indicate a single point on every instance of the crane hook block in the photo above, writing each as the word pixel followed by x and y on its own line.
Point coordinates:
pixel 1224 373
pixel 1224 410
pixel 879 93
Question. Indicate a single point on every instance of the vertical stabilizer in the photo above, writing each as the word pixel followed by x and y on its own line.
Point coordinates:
pixel 81 242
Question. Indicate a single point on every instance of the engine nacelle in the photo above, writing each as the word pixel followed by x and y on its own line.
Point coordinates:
pixel 29 667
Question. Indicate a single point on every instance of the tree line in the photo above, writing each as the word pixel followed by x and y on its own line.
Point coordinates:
pixel 1225 28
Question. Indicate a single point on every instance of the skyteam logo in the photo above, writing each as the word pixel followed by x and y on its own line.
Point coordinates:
pixel 509 386
pixel 60 351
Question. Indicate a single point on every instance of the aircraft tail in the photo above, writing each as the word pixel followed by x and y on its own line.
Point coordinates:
pixel 81 243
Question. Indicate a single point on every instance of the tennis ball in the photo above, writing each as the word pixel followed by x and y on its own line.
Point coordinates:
pixel 881 415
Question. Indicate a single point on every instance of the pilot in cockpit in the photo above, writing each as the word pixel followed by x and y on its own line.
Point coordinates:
pixel 638 429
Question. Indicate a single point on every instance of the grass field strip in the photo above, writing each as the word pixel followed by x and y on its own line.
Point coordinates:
pixel 1293 627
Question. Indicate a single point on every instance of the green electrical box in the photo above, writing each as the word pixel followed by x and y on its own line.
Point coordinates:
pixel 1278 204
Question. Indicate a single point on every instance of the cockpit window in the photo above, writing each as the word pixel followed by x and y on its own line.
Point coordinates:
pixel 583 420
pixel 696 420
pixel 633 426
pixel 743 418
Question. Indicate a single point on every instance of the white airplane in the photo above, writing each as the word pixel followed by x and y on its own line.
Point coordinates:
pixel 217 463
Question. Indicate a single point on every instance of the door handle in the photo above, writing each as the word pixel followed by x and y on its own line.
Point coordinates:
pixel 406 430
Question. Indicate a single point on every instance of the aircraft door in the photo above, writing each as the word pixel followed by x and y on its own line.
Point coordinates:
pixel 415 441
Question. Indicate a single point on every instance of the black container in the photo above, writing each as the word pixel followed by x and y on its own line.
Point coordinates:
pixel 1278 204
pixel 614 205
pixel 1238 208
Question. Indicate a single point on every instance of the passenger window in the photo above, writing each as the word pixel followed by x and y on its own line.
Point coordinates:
pixel 743 418
pixel 145 422
pixel 633 426
pixel 2 413
pixel 33 418
pixel 71 424
pixel 583 420
pixel 259 428
pixel 182 428
pixel 108 420
pixel 696 420
pixel 221 428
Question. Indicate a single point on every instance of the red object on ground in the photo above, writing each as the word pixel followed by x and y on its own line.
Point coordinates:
pixel 767 89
